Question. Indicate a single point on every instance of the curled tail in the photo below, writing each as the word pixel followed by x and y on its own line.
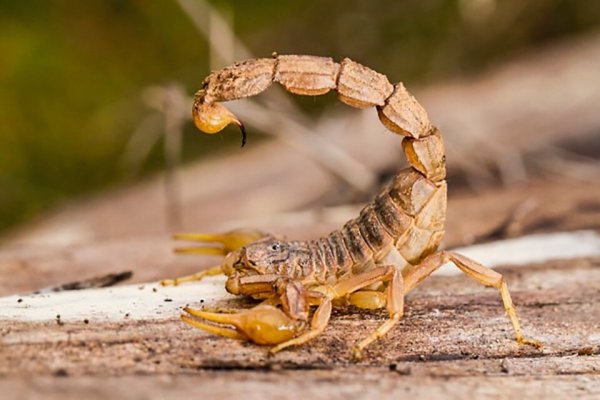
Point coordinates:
pixel 356 85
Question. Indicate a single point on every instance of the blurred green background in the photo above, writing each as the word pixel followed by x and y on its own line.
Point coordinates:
pixel 73 73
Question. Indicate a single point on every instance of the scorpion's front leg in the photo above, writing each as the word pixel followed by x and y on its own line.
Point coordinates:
pixel 218 244
pixel 317 326
pixel 394 302
pixel 217 270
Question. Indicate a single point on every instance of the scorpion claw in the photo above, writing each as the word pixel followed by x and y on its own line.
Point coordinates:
pixel 263 324
pixel 224 242
pixel 218 330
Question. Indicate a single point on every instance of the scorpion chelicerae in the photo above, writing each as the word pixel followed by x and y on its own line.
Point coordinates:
pixel 373 261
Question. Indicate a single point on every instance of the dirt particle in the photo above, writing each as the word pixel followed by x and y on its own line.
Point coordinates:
pixel 585 351
pixel 59 321
pixel 168 300
pixel 19 300
pixel 86 321
pixel 274 367
pixel 61 372
pixel 504 366
pixel 126 315
pixel 400 370
pixel 154 290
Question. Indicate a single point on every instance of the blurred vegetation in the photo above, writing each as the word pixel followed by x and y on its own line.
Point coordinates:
pixel 72 73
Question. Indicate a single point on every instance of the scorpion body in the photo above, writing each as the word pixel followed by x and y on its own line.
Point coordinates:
pixel 374 259
pixel 382 234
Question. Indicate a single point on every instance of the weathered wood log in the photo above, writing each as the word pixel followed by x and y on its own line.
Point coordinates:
pixel 317 384
pixel 453 335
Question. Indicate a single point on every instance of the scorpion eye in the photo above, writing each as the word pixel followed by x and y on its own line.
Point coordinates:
pixel 275 247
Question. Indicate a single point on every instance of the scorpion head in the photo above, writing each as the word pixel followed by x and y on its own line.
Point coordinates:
pixel 244 266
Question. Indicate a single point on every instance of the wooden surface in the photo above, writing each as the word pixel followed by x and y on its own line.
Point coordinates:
pixel 454 341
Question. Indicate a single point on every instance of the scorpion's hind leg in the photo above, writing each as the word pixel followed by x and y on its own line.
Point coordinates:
pixel 326 294
pixel 351 287
pixel 263 324
pixel 474 270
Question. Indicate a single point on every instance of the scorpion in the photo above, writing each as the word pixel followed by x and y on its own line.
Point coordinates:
pixel 374 260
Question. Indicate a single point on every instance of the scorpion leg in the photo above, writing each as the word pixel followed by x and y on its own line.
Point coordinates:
pixel 395 305
pixel 394 300
pixel 193 277
pixel 324 300
pixel 474 270
pixel 317 326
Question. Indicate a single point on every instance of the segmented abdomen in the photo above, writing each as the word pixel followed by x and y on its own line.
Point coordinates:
pixel 408 215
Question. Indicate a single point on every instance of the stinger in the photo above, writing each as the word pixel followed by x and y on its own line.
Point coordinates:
pixel 214 117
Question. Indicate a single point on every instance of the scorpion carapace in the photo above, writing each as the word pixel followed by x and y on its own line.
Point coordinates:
pixel 373 261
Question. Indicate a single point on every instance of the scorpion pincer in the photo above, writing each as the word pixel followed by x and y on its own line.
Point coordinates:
pixel 374 260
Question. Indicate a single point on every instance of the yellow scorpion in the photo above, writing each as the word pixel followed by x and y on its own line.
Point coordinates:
pixel 374 260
